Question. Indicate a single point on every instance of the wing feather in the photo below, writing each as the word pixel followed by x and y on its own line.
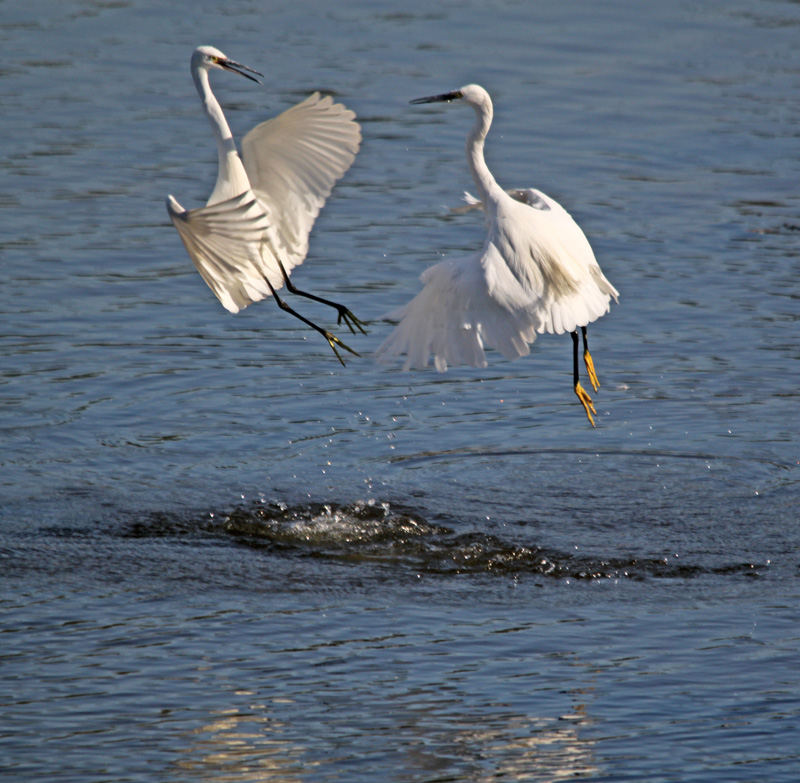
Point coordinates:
pixel 293 161
pixel 454 317
pixel 229 244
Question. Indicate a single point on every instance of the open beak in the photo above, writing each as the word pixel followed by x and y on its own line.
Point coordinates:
pixel 446 97
pixel 243 70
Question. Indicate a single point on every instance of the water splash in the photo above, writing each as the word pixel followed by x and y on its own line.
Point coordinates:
pixel 375 531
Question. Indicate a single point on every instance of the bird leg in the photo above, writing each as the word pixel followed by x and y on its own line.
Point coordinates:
pixel 332 339
pixel 583 396
pixel 587 359
pixel 344 314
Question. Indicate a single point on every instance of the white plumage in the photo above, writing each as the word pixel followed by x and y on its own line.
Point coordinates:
pixel 535 273
pixel 254 228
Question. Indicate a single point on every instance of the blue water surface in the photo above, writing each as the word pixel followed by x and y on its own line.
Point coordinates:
pixel 224 556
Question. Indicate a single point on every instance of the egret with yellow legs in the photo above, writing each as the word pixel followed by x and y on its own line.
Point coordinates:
pixel 535 273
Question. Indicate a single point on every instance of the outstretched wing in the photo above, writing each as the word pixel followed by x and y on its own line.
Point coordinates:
pixel 228 243
pixel 293 161
pixel 454 317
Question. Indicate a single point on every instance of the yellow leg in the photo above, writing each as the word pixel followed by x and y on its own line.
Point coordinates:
pixel 583 395
pixel 587 360
pixel 586 401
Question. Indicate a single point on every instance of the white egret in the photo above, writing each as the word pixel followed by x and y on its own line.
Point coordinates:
pixel 535 273
pixel 254 229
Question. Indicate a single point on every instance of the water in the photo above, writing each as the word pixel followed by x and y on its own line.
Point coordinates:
pixel 225 557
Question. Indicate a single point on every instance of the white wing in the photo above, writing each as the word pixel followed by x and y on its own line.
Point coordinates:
pixel 229 244
pixel 537 274
pixel 550 257
pixel 293 162
pixel 569 287
pixel 455 316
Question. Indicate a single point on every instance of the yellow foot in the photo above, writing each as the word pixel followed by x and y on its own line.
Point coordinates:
pixel 587 360
pixel 586 401
pixel 333 341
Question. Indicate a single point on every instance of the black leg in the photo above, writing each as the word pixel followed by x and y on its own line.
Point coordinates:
pixel 575 376
pixel 332 339
pixel 344 314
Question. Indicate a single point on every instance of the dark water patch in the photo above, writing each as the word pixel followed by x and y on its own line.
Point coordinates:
pixel 370 532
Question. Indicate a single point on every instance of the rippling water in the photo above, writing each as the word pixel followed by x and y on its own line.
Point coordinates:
pixel 225 557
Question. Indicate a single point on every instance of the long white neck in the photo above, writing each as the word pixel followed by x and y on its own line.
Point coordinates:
pixel 484 180
pixel 231 179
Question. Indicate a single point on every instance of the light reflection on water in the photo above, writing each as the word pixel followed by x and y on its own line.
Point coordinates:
pixel 230 558
pixel 241 746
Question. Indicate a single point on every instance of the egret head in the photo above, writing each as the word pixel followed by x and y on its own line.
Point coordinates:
pixel 207 57
pixel 473 94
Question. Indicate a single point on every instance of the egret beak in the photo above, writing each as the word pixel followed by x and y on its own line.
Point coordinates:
pixel 232 65
pixel 446 97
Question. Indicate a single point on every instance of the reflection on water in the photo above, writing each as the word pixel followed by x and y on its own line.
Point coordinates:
pixel 251 744
pixel 244 747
